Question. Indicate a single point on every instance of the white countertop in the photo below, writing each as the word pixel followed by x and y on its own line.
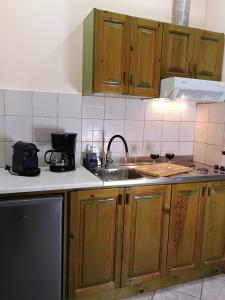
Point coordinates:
pixel 48 181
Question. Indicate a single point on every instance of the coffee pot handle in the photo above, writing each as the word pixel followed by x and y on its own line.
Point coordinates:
pixel 48 161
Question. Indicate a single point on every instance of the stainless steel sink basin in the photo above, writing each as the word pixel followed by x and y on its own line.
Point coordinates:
pixel 117 174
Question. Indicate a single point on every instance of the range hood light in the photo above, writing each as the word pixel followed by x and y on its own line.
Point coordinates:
pixel 165 104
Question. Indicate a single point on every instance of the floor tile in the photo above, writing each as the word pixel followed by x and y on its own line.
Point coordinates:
pixel 213 289
pixel 171 294
pixel 191 288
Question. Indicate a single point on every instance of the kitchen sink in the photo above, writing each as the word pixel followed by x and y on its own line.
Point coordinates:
pixel 117 174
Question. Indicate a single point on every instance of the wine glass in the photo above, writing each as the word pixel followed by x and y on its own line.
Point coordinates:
pixel 154 157
pixel 170 156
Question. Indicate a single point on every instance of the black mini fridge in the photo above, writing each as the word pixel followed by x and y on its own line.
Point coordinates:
pixel 31 248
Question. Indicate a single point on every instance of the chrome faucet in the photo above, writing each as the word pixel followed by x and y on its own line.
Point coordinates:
pixel 109 159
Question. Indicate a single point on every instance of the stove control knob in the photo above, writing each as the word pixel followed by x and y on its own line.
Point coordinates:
pixel 222 168
pixel 216 167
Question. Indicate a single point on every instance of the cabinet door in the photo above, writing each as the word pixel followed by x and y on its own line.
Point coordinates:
pixel 186 221
pixel 146 43
pixel 178 51
pixel 145 234
pixel 95 238
pixel 112 48
pixel 213 244
pixel 209 55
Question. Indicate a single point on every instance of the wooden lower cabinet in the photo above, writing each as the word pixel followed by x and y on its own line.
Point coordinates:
pixel 145 233
pixel 125 240
pixel 95 241
pixel 213 243
pixel 185 231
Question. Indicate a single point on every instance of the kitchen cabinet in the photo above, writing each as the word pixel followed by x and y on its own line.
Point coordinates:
pixel 213 242
pixel 95 241
pixel 145 57
pixel 208 58
pixel 177 51
pixel 144 238
pixel 121 54
pixel 190 52
pixel 185 232
pixel 146 224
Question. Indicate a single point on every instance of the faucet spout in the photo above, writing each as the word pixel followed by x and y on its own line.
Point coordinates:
pixel 109 155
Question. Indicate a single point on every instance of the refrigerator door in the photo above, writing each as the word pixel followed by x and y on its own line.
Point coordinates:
pixel 31 248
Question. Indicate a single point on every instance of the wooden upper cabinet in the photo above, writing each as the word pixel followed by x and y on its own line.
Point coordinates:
pixel 177 51
pixel 146 43
pixel 208 54
pixel 112 63
pixel 213 243
pixel 146 224
pixel 186 221
pixel 95 241
pixel 112 46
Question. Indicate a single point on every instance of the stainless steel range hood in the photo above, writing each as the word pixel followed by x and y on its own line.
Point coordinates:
pixel 199 91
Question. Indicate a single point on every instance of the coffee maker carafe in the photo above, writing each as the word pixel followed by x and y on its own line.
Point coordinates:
pixel 61 157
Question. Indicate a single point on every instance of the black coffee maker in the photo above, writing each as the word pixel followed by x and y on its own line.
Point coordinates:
pixel 62 156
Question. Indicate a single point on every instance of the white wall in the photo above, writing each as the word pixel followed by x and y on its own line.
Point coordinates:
pixel 41 41
pixel 214 20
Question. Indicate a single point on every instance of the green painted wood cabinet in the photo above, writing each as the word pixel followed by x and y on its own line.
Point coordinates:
pixel 122 241
pixel 190 52
pixel 121 54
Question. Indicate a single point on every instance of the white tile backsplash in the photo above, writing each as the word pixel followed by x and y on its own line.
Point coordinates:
pixel 171 131
pixel 153 131
pixel 185 148
pixel 33 116
pixel 189 114
pixel 113 127
pixel 171 115
pixel 93 107
pixel 2 103
pixel 43 127
pixel 18 128
pixel 45 104
pixel 202 113
pixel 2 154
pixel 18 103
pixel 199 152
pixel 217 113
pixel 114 108
pixel 187 131
pixel 70 125
pixel 134 130
pixel 2 129
pixel 201 132
pixel 152 114
pixel 69 106
pixel 215 134
pixel 135 109
pixel 169 147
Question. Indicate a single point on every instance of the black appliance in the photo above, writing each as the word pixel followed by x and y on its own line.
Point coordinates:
pixel 62 155
pixel 31 248
pixel 25 159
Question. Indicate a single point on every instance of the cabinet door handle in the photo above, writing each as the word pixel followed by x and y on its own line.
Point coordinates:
pixel 209 192
pixel 125 76
pixel 203 191
pixel 120 199
pixel 131 79
pixel 127 199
